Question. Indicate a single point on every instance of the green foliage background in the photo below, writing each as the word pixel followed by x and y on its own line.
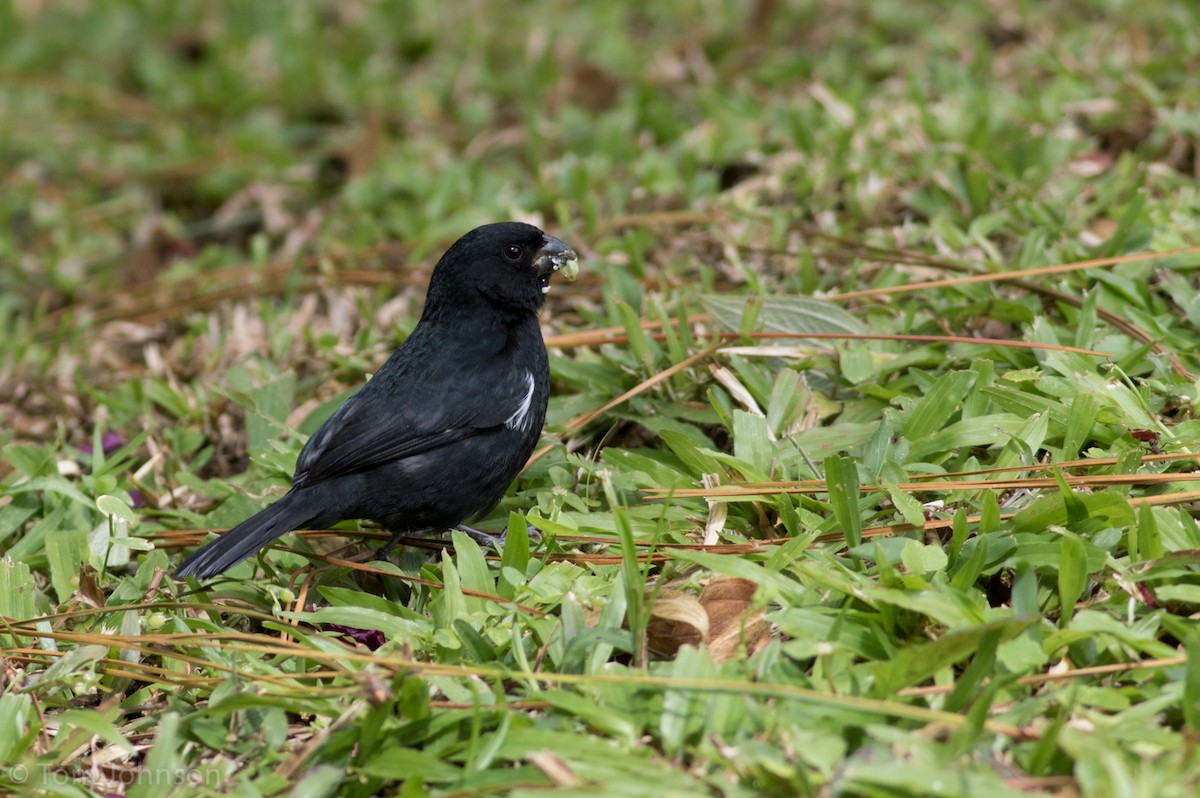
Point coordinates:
pixel 217 217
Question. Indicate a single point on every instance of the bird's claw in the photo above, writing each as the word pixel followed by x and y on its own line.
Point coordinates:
pixel 496 541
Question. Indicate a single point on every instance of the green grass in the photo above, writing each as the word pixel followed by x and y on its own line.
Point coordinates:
pixel 932 566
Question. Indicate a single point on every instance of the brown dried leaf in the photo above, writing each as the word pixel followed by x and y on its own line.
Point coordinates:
pixel 89 588
pixel 676 619
pixel 555 769
pixel 733 621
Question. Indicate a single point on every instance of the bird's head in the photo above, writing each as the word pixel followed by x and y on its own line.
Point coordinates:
pixel 507 264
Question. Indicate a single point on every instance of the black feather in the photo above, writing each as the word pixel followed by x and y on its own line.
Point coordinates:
pixel 437 435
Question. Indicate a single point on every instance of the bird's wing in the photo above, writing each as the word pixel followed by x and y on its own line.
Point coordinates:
pixel 386 423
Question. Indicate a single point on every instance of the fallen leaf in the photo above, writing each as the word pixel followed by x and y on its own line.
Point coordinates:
pixel 733 621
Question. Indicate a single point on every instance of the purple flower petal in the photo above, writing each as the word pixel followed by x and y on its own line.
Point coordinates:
pixel 109 443
pixel 371 638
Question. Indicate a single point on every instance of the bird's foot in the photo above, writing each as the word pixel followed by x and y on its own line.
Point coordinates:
pixel 382 553
pixel 485 539
pixel 495 541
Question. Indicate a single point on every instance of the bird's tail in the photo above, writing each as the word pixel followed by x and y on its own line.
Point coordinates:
pixel 290 512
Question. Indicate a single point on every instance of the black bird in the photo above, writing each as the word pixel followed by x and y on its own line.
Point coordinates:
pixel 437 435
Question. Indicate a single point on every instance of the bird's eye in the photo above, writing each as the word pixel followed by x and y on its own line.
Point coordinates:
pixel 513 252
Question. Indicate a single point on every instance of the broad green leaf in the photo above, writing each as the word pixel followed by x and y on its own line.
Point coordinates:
pixel 18 509
pixel 77 661
pixel 613 723
pixel 922 558
pixel 699 460
pixel 752 442
pixel 938 405
pixel 1024 591
pixel 449 603
pixel 18 722
pixel 1149 544
pixel 810 629
pixel 97 723
pixel 941 605
pixel 1023 446
pixel 114 507
pixel 398 763
pixel 1191 681
pixel 783 314
pixel 972 566
pixel 67 551
pixel 821 442
pixel 1072 574
pixel 914 664
pixel 968 685
pixel 841 478
pixel 684 711
pixel 321 781
pixel 17 592
pixel 349 597
pixel 911 509
pixel 1189 594
pixel 788 398
pixel 515 555
pixel 979 431
pixel 472 568
pixel 1102 510
pixel 1079 424
pixel 639 344
pixel 858 363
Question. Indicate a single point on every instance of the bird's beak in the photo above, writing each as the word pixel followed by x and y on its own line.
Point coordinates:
pixel 556 256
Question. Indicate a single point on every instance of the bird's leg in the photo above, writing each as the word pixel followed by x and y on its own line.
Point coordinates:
pixel 396 537
pixel 485 539
pixel 495 541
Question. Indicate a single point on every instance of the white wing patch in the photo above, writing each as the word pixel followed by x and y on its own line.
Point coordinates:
pixel 520 417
